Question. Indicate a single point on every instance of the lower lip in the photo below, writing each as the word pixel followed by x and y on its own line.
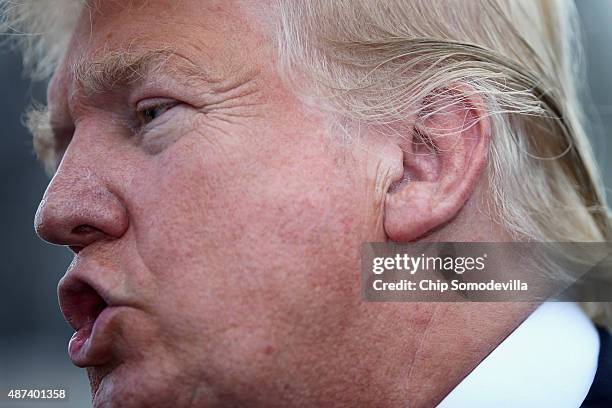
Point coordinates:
pixel 91 344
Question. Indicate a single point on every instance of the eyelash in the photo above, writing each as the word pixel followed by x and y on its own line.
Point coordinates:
pixel 144 110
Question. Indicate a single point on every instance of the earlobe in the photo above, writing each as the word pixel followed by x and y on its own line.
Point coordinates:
pixel 444 158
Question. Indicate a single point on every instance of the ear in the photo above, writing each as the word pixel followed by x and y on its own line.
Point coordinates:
pixel 443 159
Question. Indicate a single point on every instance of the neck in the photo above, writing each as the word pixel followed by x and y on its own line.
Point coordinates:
pixel 458 337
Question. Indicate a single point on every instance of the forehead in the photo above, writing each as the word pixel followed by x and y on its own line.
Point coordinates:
pixel 217 35
pixel 111 19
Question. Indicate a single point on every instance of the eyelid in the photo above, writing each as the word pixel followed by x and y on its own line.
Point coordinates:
pixel 148 104
pixel 139 127
pixel 154 103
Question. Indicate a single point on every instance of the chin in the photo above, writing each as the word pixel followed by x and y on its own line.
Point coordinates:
pixel 139 386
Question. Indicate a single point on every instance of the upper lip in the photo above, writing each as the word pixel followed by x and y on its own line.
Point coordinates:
pixel 82 298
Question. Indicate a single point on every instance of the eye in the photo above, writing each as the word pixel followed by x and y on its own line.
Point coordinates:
pixel 148 111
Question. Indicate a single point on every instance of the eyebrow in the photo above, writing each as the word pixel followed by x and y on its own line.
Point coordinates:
pixel 127 67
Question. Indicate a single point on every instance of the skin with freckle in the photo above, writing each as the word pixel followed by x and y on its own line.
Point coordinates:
pixel 230 229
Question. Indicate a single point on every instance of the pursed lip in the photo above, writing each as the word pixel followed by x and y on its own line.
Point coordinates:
pixel 91 310
pixel 91 345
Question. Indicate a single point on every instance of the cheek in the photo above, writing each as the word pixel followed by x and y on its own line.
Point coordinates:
pixel 247 242
pixel 257 211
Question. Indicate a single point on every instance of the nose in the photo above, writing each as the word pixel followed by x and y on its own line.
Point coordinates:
pixel 78 210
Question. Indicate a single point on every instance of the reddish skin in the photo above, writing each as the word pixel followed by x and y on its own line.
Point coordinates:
pixel 233 244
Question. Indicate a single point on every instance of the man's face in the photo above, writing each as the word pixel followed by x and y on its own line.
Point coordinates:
pixel 217 221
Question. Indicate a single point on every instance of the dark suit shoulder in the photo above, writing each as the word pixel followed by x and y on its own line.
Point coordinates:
pixel 600 394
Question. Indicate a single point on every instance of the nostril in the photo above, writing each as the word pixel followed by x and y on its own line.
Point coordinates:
pixel 84 229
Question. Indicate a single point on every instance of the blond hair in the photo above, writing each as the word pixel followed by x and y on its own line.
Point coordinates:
pixel 372 61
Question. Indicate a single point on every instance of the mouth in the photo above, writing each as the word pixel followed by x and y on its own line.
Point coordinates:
pixel 92 316
pixel 91 345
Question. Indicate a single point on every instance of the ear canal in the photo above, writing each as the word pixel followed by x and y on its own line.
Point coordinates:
pixel 444 157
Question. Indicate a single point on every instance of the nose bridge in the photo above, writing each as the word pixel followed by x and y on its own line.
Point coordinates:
pixel 79 208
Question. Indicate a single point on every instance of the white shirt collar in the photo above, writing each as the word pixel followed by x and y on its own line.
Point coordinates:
pixel 548 361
